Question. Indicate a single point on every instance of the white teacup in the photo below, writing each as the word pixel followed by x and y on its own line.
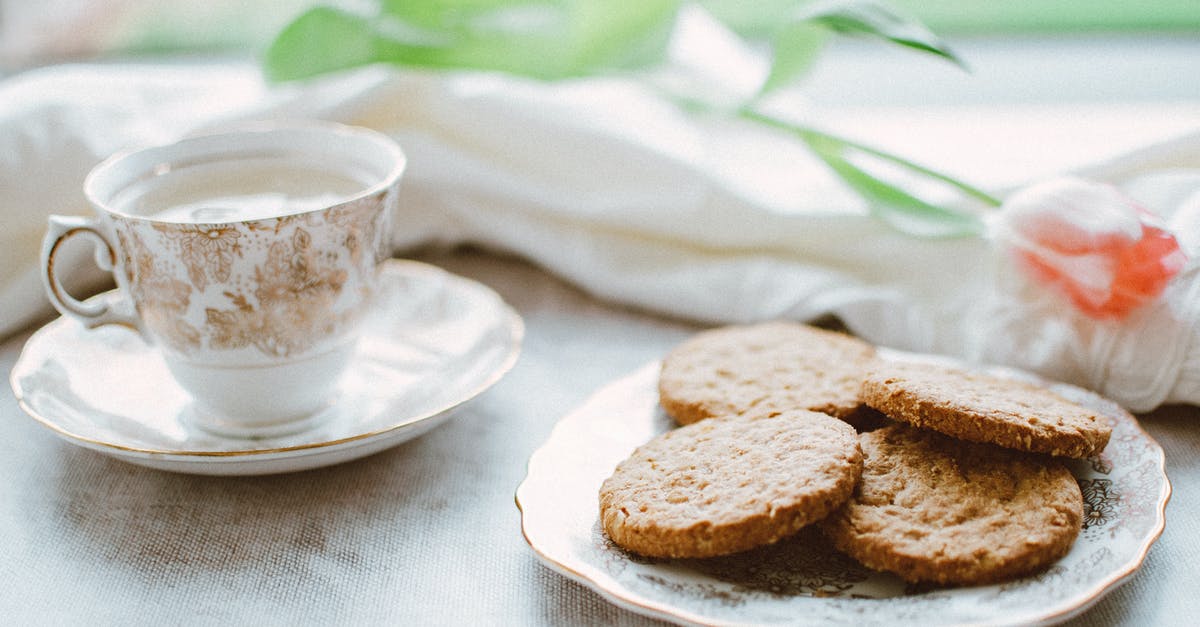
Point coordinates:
pixel 248 258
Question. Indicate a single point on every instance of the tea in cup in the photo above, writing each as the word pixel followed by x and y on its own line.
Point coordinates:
pixel 248 258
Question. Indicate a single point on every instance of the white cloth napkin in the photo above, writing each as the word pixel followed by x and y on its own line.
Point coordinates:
pixel 606 185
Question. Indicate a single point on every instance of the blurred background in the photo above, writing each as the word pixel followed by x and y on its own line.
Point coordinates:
pixel 1138 63
pixel 40 32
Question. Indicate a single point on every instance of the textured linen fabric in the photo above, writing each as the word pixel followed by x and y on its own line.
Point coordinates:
pixel 423 534
pixel 426 533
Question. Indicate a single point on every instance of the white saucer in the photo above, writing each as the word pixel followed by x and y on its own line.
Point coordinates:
pixel 435 341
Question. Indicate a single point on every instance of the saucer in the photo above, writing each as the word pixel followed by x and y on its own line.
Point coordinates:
pixel 434 341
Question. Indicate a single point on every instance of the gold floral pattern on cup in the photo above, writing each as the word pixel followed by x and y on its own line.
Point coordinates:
pixel 294 303
pixel 163 298
pixel 209 249
pixel 258 314
pixel 306 290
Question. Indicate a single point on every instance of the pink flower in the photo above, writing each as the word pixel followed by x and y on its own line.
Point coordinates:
pixel 1090 242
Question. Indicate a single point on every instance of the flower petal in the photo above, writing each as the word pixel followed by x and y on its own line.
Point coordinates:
pixel 1073 216
pixel 1091 243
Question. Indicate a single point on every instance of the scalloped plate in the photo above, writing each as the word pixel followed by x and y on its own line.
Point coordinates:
pixel 803 580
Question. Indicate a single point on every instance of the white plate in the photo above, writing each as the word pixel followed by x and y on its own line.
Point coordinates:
pixel 434 341
pixel 803 580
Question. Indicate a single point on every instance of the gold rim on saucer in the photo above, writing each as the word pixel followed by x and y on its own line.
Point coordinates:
pixel 508 325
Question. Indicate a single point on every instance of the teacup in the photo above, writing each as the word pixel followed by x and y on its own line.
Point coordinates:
pixel 248 258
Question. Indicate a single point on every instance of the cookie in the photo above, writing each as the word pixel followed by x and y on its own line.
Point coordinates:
pixel 983 408
pixel 762 368
pixel 933 509
pixel 729 484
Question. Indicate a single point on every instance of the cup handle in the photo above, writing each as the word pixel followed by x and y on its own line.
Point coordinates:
pixel 91 314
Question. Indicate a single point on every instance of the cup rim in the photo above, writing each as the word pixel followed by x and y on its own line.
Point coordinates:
pixel 399 162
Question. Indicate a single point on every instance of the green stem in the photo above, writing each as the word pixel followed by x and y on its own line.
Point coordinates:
pixel 811 136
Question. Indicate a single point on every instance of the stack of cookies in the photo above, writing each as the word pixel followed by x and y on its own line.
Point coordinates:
pixel 933 473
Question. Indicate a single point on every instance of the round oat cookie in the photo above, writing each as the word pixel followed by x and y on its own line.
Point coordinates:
pixel 934 509
pixel 984 408
pixel 729 484
pixel 762 368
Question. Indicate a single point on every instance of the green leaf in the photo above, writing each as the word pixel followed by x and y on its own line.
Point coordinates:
pixel 871 18
pixel 794 29
pixel 889 203
pixel 321 40
pixel 964 188
pixel 753 19
pixel 538 38
pixel 763 20
pixel 894 206
pixel 620 35
pixel 528 40
pixel 447 14
pixel 794 49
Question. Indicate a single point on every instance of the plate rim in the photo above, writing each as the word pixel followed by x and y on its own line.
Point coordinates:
pixel 512 321
pixel 620 596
